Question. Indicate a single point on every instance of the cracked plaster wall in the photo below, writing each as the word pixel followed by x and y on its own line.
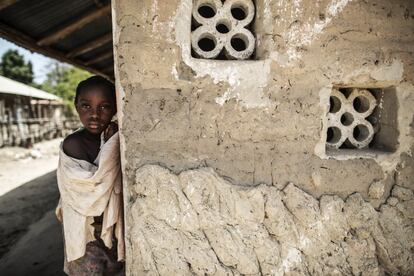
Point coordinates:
pixel 257 126
pixel 199 223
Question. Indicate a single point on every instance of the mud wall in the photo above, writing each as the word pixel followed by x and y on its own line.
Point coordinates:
pixel 231 166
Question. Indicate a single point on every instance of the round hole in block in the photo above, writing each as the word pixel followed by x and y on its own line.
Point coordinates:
pixel 347 119
pixel 360 133
pixel 334 104
pixel 222 28
pixel 239 42
pixel 206 11
pixel 333 135
pixel 238 12
pixel 207 43
pixel 361 104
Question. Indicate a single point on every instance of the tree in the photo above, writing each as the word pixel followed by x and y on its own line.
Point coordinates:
pixel 62 81
pixel 56 73
pixel 13 66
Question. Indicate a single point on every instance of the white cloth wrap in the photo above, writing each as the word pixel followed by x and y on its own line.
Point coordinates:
pixel 87 191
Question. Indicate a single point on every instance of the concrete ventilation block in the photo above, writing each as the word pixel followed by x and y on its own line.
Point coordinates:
pixel 221 30
pixel 362 118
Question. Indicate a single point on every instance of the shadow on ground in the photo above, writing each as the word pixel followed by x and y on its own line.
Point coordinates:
pixel 30 236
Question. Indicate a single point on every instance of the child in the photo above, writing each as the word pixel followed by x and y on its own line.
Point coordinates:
pixel 89 180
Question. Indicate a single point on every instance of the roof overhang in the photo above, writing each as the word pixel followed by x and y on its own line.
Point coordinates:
pixel 78 32
pixel 9 86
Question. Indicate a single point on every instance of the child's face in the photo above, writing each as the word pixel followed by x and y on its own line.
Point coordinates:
pixel 96 109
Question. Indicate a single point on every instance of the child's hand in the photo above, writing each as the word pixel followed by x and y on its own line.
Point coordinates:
pixel 110 130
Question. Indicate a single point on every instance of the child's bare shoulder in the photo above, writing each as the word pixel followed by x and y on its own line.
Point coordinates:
pixel 74 146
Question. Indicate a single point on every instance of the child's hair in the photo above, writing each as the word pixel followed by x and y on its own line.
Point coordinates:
pixel 94 82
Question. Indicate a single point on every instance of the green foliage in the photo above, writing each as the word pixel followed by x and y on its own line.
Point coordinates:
pixel 14 67
pixel 62 81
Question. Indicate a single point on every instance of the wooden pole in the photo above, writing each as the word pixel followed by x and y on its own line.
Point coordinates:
pixel 100 58
pixel 67 29
pixel 27 42
pixel 6 3
pixel 90 45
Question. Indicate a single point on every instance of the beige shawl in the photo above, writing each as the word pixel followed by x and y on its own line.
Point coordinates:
pixel 88 190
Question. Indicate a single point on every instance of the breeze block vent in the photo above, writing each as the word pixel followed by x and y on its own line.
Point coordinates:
pixel 362 119
pixel 222 30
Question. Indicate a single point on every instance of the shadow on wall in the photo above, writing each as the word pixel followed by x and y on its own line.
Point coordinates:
pixel 30 235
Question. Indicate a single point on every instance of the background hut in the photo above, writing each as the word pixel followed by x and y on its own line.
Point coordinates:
pixel 28 115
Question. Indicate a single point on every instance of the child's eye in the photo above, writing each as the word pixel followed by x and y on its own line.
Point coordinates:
pixel 105 107
pixel 85 106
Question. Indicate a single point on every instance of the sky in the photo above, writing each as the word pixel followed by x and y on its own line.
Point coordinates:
pixel 40 62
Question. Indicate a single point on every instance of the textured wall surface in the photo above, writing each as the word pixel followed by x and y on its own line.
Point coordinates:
pixel 198 223
pixel 225 167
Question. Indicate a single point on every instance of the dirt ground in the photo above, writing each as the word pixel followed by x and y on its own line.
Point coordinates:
pixel 19 165
pixel 30 236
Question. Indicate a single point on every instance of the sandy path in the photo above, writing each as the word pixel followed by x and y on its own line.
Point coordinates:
pixel 30 236
pixel 17 166
pixel 38 252
pixel 24 206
